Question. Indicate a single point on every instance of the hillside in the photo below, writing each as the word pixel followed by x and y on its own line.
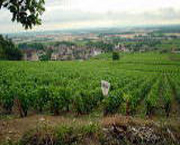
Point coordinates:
pixel 143 86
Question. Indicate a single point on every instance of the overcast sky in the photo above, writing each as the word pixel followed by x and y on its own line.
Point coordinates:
pixel 74 14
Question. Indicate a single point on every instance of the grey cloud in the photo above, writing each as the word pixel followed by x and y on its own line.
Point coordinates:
pixel 68 16
pixel 170 13
pixel 57 12
pixel 59 15
pixel 5 16
pixel 54 2
pixel 164 14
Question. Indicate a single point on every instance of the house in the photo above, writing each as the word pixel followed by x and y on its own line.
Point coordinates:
pixel 30 55
pixel 121 47
pixel 71 52
pixel 54 56
pixel 94 52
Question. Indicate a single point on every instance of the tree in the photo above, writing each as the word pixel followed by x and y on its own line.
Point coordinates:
pixel 101 45
pixel 8 50
pixel 115 56
pixel 26 12
pixel 36 46
pixel 46 56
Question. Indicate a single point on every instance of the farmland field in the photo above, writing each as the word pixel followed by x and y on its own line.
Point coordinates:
pixel 141 80
pixel 142 85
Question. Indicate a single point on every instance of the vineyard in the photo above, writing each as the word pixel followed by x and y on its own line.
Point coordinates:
pixel 141 84
pixel 143 103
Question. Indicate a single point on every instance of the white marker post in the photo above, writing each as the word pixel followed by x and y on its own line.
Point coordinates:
pixel 105 86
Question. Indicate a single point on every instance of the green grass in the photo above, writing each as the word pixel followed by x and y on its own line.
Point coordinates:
pixel 169 44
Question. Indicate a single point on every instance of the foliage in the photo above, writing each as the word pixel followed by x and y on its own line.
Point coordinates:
pixel 68 44
pixel 37 46
pixel 59 87
pixel 113 102
pixel 85 102
pixel 46 56
pixel 60 135
pixel 42 98
pixel 26 12
pixel 167 95
pixel 7 99
pixel 8 50
pixel 115 56
pixel 106 47
pixel 164 51
pixel 60 99
pixel 152 98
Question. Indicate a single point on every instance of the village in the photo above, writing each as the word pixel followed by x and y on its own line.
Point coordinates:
pixel 61 46
pixel 64 52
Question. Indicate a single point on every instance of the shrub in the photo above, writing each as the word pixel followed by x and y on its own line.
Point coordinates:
pixel 60 99
pixel 66 135
pixel 7 100
pixel 152 99
pixel 115 56
pixel 90 129
pixel 8 50
pixel 23 97
pixel 60 135
pixel 42 98
pixel 113 102
pixel 167 95
pixel 85 101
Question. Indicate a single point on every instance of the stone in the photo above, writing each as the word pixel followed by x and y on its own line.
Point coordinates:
pixel 105 86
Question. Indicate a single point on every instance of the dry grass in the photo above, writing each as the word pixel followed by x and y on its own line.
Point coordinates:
pixel 15 128
pixel 125 120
